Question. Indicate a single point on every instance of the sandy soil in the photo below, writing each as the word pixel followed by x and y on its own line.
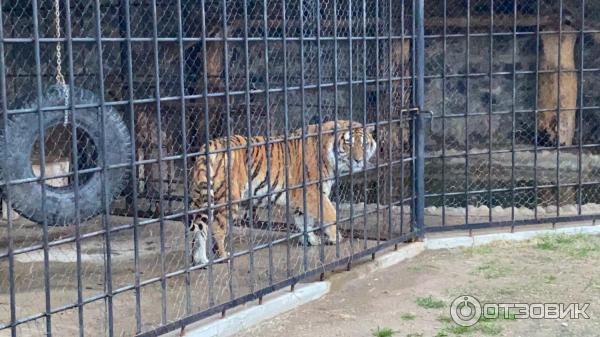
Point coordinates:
pixel 548 269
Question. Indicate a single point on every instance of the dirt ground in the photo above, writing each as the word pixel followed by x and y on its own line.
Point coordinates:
pixel 412 299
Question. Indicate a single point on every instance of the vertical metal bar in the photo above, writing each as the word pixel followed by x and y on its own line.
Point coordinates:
pixel 581 110
pixel 467 107
pixel 490 110
pixel 184 144
pixel 231 257
pixel 286 136
pixel 403 105
pixel 249 160
pixel 42 138
pixel 444 82
pixel 558 107
pixel 377 186
pixel 105 202
pixel 319 128
pixel 389 125
pixel 210 201
pixel 336 172
pixel 134 175
pixel 268 144
pixel 7 189
pixel 514 117
pixel 420 127
pixel 536 109
pixel 303 139
pixel 364 141
pixel 75 160
pixel 350 107
pixel 163 280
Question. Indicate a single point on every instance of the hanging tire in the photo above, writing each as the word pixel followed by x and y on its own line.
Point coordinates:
pixel 16 161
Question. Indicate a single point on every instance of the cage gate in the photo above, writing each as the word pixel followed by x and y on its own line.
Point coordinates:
pixel 216 151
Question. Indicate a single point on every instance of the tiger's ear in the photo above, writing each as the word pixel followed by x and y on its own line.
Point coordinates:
pixel 370 129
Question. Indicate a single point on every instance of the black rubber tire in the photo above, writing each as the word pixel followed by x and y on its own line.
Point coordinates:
pixel 23 132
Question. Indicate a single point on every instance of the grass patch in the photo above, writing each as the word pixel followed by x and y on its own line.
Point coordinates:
pixel 383 332
pixel 492 270
pixel 549 279
pixel 430 303
pixel 481 328
pixel 478 250
pixel 408 317
pixel 578 246
pixel 444 319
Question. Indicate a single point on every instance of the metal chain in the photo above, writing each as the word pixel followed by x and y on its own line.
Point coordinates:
pixel 60 78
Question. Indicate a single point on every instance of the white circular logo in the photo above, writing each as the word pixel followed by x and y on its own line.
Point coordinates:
pixel 465 310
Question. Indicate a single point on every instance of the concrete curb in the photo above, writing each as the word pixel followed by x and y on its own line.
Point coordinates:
pixel 273 305
pixel 483 239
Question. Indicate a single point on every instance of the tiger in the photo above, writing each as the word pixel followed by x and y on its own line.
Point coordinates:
pixel 347 141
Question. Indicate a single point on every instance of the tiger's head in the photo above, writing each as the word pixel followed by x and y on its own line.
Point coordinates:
pixel 352 144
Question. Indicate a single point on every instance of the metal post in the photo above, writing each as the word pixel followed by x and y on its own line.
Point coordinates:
pixel 419 131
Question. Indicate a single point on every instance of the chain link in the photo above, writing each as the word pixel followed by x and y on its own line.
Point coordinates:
pixel 60 78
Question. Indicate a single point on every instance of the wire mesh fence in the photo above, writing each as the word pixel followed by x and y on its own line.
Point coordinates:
pixel 200 154
pixel 183 125
pixel 513 139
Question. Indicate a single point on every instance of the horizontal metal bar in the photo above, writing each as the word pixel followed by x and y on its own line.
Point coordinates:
pixel 53 40
pixel 532 150
pixel 523 222
pixel 509 189
pixel 177 99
